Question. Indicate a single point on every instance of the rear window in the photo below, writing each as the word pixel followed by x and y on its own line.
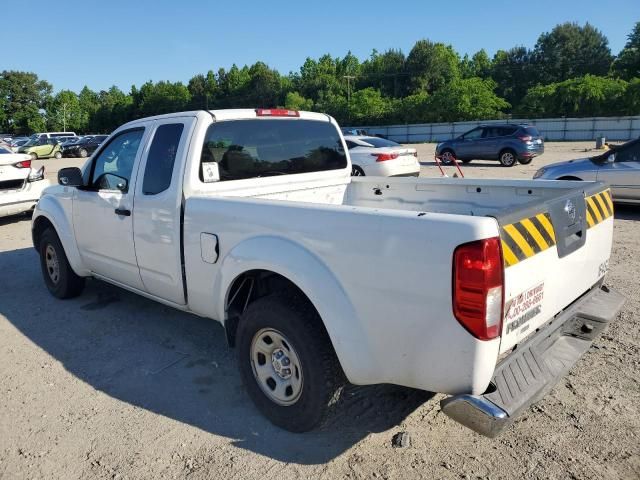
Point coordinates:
pixel 267 147
pixel 380 142
pixel 533 131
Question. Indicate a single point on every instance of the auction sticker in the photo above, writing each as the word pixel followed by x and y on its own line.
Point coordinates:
pixel 521 309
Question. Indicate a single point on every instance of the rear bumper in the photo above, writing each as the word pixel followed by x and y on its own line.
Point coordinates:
pixel 19 201
pixel 528 373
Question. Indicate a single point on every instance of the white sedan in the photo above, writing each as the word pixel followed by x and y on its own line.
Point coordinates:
pixel 379 157
pixel 20 185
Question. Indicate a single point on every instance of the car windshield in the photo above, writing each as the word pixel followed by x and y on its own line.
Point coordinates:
pixel 379 142
pixel 31 142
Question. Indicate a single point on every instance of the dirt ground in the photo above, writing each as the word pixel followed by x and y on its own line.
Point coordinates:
pixel 112 386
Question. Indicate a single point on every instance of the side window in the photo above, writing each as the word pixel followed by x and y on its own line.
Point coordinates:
pixel 161 158
pixel 629 154
pixel 473 134
pixel 112 168
pixel 350 144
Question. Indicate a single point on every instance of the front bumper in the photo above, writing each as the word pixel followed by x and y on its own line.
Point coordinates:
pixel 528 373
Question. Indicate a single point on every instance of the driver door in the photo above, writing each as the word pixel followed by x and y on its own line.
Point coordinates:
pixel 467 146
pixel 623 174
pixel 103 210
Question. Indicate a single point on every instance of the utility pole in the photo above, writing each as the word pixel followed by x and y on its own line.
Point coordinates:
pixel 64 117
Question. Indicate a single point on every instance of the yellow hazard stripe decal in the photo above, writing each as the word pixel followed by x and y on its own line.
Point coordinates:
pixel 526 238
pixel 599 207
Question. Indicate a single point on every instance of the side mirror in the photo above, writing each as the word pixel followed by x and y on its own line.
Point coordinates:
pixel 611 158
pixel 70 177
pixel 210 172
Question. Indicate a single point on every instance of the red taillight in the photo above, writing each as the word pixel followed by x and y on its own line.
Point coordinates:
pixel 478 278
pixel 23 164
pixel 383 157
pixel 526 138
pixel 276 112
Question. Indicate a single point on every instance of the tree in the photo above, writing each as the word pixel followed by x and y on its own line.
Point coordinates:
pixel 570 51
pixel 89 103
pixel 431 66
pixel 513 72
pixel 466 99
pixel 368 106
pixel 264 86
pixel 627 65
pixel 589 95
pixel 295 101
pixel 23 97
pixel 115 108
pixel 162 97
pixel 203 90
pixel 65 114
pixel 386 72
pixel 477 66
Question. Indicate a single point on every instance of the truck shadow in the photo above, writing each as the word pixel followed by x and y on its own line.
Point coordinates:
pixel 626 212
pixel 178 365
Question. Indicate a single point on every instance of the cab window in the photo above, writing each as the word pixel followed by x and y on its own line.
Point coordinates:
pixel 113 166
pixel 161 158
pixel 473 134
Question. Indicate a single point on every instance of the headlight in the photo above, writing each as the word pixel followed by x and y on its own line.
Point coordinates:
pixel 539 173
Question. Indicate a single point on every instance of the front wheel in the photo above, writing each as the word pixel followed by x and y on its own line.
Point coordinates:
pixel 61 280
pixel 83 153
pixel 508 158
pixel 356 171
pixel 287 362
pixel 447 157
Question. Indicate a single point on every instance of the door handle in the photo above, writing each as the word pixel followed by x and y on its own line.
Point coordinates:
pixel 123 212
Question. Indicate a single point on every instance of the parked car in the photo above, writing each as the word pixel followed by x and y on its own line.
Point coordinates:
pixel 619 166
pixel 84 147
pixel 20 185
pixel 41 148
pixel 507 143
pixel 52 135
pixel 17 142
pixel 375 156
pixel 252 218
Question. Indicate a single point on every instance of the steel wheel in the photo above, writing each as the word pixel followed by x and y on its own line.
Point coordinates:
pixel 53 267
pixel 508 159
pixel 276 367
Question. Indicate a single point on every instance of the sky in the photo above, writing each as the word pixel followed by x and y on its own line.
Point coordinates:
pixel 124 43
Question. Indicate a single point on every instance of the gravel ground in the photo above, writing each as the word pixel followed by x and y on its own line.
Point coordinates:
pixel 111 385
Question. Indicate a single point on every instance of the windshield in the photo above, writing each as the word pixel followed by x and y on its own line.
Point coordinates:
pixel 31 142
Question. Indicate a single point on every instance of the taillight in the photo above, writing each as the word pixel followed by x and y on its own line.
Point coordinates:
pixel 276 112
pixel 478 279
pixel 23 164
pixel 383 157
pixel 526 138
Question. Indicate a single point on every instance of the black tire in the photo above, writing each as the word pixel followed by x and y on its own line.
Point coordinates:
pixel 445 156
pixel 83 153
pixel 58 155
pixel 63 283
pixel 525 160
pixel 466 160
pixel 356 171
pixel 321 376
pixel 508 158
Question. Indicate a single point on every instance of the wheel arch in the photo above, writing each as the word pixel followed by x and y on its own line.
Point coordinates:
pixel 569 177
pixel 289 265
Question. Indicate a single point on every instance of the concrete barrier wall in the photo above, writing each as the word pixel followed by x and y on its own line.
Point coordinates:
pixel 552 129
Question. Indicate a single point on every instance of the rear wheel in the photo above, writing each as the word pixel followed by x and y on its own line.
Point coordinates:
pixel 34 156
pixel 287 362
pixel 58 275
pixel 58 155
pixel 83 153
pixel 508 158
pixel 447 157
pixel 356 171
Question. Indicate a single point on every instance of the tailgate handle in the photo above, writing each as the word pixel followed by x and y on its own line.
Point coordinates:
pixel 569 218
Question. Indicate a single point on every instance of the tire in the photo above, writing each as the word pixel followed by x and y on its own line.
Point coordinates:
pixel 356 171
pixel 59 277
pixel 466 160
pixel 57 155
pixel 303 401
pixel 83 153
pixel 34 156
pixel 525 161
pixel 508 158
pixel 445 156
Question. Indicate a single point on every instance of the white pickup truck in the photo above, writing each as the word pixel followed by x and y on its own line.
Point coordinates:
pixel 488 291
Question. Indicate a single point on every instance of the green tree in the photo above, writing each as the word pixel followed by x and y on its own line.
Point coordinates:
pixel 431 66
pixel 295 101
pixel 570 51
pixel 89 103
pixel 264 86
pixel 162 97
pixel 65 114
pixel 631 98
pixel 23 99
pixel 627 65
pixel 513 72
pixel 203 90
pixel 466 99
pixel 588 95
pixel 386 72
pixel 479 65
pixel 368 106
pixel 115 108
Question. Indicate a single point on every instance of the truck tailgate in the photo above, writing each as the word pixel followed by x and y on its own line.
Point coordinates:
pixel 553 253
